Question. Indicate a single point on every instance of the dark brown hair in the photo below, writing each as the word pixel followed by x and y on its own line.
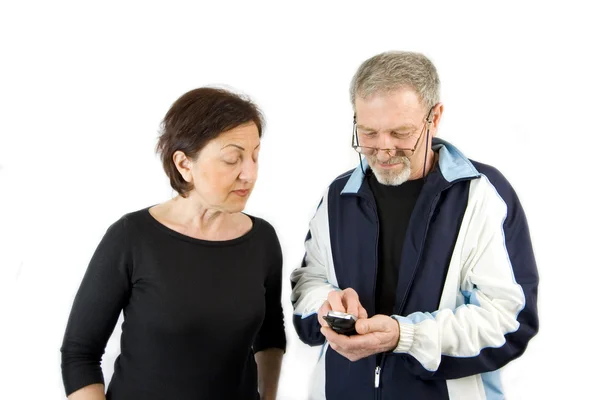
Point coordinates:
pixel 197 117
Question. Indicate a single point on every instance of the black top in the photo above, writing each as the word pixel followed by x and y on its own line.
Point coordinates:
pixel 195 311
pixel 394 207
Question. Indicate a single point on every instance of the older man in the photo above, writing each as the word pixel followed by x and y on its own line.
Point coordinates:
pixel 428 249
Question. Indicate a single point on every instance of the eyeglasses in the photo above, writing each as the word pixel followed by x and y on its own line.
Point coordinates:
pixel 372 151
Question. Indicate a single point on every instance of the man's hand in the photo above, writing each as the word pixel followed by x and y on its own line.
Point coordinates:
pixel 377 334
pixel 345 301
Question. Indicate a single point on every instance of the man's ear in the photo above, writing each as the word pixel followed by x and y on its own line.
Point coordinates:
pixel 436 117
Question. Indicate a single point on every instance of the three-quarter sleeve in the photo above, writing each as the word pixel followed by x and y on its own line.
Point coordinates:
pixel 272 332
pixel 104 292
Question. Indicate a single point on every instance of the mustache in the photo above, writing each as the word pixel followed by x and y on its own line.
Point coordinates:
pixel 392 160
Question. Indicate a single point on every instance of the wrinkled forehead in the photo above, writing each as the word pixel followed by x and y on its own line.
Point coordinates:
pixel 397 109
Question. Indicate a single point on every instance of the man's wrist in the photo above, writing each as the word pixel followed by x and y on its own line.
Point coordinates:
pixel 406 330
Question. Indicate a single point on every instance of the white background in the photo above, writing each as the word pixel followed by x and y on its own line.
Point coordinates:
pixel 84 86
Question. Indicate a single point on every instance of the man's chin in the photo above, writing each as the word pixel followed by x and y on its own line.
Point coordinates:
pixel 392 176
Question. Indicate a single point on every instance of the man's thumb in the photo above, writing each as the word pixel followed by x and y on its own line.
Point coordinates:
pixel 377 323
pixel 364 326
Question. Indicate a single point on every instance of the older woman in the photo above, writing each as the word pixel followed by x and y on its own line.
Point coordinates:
pixel 198 281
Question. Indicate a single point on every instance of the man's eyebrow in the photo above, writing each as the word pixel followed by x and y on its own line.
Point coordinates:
pixel 364 128
pixel 405 127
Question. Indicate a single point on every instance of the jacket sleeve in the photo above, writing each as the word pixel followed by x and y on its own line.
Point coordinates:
pixel 314 279
pixel 497 293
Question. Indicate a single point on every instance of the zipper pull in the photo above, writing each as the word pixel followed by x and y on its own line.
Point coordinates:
pixel 377 373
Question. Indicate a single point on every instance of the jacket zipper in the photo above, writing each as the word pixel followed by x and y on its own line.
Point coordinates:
pixel 378 369
pixel 374 297
pixel 431 210
pixel 379 357
pixel 381 361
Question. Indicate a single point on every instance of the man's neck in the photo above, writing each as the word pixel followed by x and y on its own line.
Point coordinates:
pixel 432 158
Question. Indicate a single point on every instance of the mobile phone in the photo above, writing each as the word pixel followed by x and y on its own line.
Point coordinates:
pixel 341 323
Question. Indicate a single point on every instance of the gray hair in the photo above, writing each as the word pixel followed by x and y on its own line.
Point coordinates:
pixel 393 70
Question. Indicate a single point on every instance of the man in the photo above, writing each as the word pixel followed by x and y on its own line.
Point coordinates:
pixel 430 250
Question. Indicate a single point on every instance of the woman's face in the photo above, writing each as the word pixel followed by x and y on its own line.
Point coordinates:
pixel 225 170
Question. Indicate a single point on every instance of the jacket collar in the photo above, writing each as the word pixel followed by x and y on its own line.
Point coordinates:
pixel 453 165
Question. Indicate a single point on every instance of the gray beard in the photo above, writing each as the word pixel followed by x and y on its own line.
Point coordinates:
pixel 390 177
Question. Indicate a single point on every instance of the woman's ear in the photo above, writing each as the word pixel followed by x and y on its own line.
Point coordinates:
pixel 183 165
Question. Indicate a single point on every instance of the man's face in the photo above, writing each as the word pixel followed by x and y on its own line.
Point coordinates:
pixel 394 120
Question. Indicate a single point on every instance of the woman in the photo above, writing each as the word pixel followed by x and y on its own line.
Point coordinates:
pixel 198 281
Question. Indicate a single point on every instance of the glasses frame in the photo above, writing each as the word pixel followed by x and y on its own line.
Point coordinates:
pixel 357 147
